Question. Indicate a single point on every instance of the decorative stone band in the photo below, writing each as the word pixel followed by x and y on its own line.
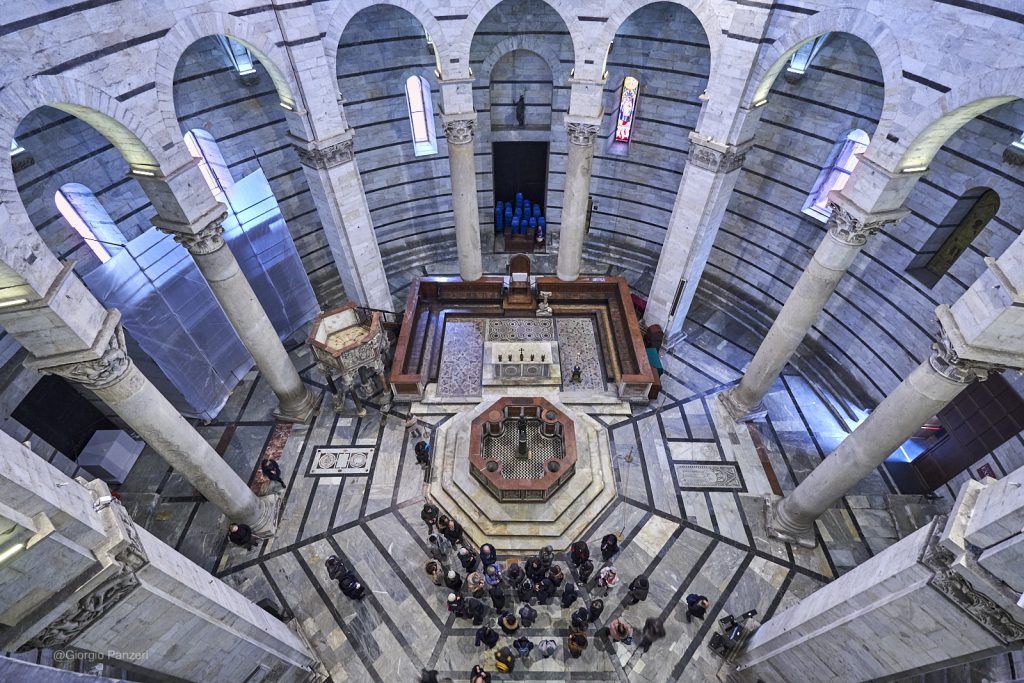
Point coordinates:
pixel 326 157
pixel 206 241
pixel 459 131
pixel 100 373
pixel 945 361
pixel 961 593
pixel 582 133
pixel 129 557
pixel 849 230
pixel 713 160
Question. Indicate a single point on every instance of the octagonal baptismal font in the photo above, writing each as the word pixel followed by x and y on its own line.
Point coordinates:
pixel 522 472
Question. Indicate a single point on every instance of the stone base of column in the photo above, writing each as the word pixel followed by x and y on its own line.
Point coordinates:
pixel 269 513
pixel 779 530
pixel 739 412
pixel 300 412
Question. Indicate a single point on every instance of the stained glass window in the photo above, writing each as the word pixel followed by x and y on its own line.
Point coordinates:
pixel 840 164
pixel 421 115
pixel 627 109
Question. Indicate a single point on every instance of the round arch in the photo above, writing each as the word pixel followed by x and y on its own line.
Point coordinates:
pixel 528 43
pixel 480 10
pixel 707 18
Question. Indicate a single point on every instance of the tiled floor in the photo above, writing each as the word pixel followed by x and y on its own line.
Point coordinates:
pixel 691 488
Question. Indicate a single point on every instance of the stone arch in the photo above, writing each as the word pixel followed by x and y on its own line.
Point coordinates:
pixel 858 23
pixel 202 25
pixel 563 8
pixel 345 10
pixel 706 16
pixel 925 134
pixel 528 43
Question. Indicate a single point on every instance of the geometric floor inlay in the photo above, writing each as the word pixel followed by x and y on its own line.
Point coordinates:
pixel 717 476
pixel 335 461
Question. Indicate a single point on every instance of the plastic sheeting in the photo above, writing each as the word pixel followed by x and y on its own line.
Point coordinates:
pixel 169 310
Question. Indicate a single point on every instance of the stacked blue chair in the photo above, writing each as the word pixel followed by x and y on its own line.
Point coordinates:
pixel 508 215
pixel 533 223
pixel 526 208
pixel 536 210
pixel 515 225
pixel 499 217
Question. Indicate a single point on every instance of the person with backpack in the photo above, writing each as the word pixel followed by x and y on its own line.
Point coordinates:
pixel 577 644
pixel 505 660
pixel 595 608
pixel 523 647
pixel 547 647
pixel 508 623
pixel 569 595
pixel 696 606
pixel 527 615
pixel 580 620
pixel 609 546
pixel 547 556
pixel 579 552
pixel 638 589
pixel 335 568
pixel 486 635
pixel 351 587
pixel 272 471
pixel 585 570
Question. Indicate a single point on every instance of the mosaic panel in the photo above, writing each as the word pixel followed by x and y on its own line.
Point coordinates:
pixel 577 343
pixel 505 449
pixel 717 476
pixel 462 357
pixel 340 460
pixel 520 329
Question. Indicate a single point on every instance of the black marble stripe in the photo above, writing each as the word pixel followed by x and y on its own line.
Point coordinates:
pixel 451 17
pixel 59 13
pixel 667 41
pixel 983 8
pixel 137 91
pixel 99 54
pixel 301 41
pixel 925 82
pixel 747 39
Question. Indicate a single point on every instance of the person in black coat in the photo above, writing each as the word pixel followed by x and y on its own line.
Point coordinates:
pixel 527 615
pixel 609 546
pixel 429 515
pixel 579 620
pixel 579 552
pixel 351 587
pixel 514 575
pixel 595 608
pixel 488 555
pixel 478 675
pixel 335 568
pixel 497 597
pixel 453 532
pixel 474 609
pixel 556 575
pixel 585 570
pixel 696 606
pixel 638 589
pixel 272 471
pixel 456 605
pixel 486 635
pixel 535 569
pixel 242 535
pixel 508 623
pixel 569 595
pixel 453 581
pixel 654 630
pixel 527 592
pixel 545 591
pixel 505 660
pixel 468 559
pixel 547 556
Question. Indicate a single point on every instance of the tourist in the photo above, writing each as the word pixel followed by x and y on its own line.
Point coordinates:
pixel 430 676
pixel 453 581
pixel 547 647
pixel 579 552
pixel 335 568
pixel 475 609
pixel 585 570
pixel 504 660
pixel 595 608
pixel 242 535
pixel 350 586
pixel 545 591
pixel 453 532
pixel 547 556
pixel 508 623
pixel 696 606
pixel 486 635
pixel 455 604
pixel 638 589
pixel 492 574
pixel 620 631
pixel 569 595
pixel 580 620
pixel 526 591
pixel 497 594
pixel 272 471
pixel 556 575
pixel 653 630
pixel 437 548
pixel 435 571
pixel 423 451
pixel 429 515
pixel 523 647
pixel 514 575
pixel 609 546
pixel 577 644
pixel 488 555
pixel 607 579
pixel 527 615
pixel 478 675
pixel 468 559
pixel 475 584
pixel 442 523
pixel 534 569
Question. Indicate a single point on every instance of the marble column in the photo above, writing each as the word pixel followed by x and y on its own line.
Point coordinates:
pixel 107 371
pixel 574 198
pixel 217 263
pixel 847 234
pixel 929 388
pixel 459 132
pixel 708 179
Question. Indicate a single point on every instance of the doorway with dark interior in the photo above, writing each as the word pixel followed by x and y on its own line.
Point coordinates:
pixel 520 168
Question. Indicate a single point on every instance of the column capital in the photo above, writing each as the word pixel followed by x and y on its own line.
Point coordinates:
pixel 945 360
pixel 314 154
pixel 205 241
pixel 846 226
pixel 459 131
pixel 715 156
pixel 582 134
pixel 102 366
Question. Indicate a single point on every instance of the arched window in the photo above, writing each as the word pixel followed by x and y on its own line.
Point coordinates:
pixel 626 115
pixel 840 164
pixel 79 207
pixel 421 115
pixel 954 235
pixel 205 149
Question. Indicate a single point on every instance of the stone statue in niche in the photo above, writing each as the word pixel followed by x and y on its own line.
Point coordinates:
pixel 521 110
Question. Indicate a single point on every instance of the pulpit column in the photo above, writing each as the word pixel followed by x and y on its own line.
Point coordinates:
pixel 575 197
pixel 459 132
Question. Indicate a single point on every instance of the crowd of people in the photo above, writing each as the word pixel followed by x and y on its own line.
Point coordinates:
pixel 485 591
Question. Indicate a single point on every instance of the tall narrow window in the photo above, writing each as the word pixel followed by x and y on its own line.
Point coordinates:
pixel 802 59
pixel 16 149
pixel 840 164
pixel 205 149
pixel 954 235
pixel 627 110
pixel 80 207
pixel 239 56
pixel 421 115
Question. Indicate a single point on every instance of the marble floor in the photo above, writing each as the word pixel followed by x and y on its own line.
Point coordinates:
pixel 690 484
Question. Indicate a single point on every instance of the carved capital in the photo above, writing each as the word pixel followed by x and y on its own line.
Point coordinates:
pixel 100 373
pixel 713 160
pixel 961 593
pixel 326 157
pixel 843 226
pixel 459 131
pixel 945 361
pixel 206 241
pixel 581 133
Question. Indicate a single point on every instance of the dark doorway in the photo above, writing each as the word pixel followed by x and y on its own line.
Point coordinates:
pixel 520 167
pixel 60 416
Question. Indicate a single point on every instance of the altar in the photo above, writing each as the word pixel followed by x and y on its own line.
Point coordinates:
pixel 521 363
